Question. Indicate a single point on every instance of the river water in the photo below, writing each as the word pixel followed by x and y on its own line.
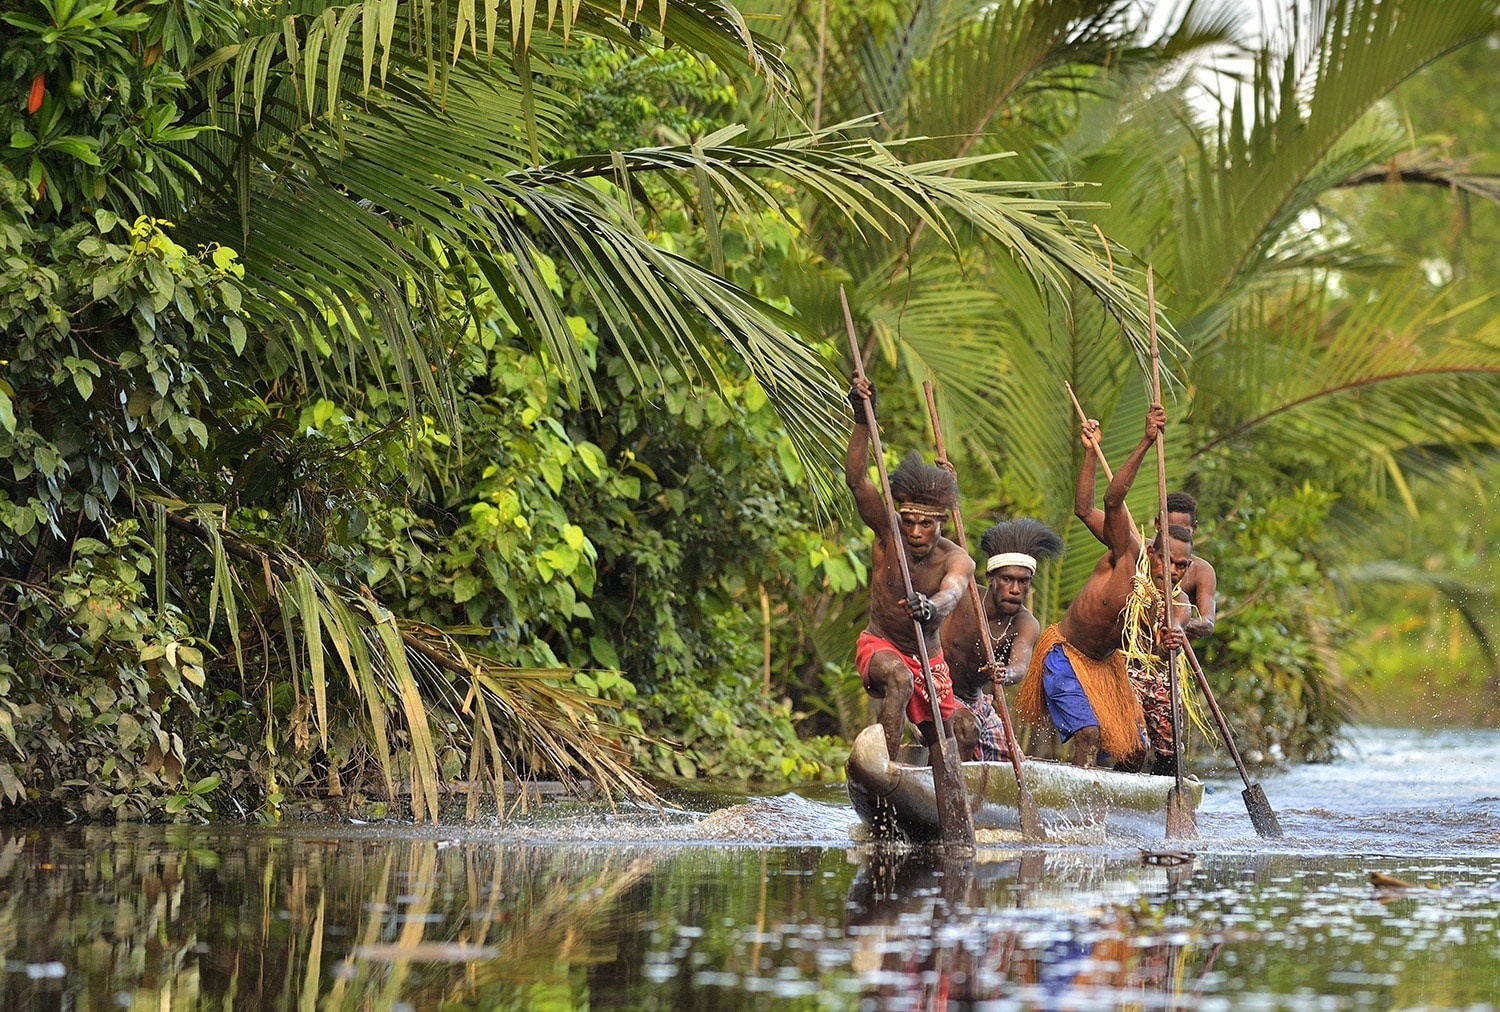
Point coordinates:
pixel 767 904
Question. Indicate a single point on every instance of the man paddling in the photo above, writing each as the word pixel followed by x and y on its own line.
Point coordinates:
pixel 1077 675
pixel 1201 582
pixel 1200 585
pixel 1012 550
pixel 1149 644
pixel 886 653
pixel 1145 643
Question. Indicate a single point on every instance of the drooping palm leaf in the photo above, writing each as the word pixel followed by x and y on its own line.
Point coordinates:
pixel 1304 99
pixel 1383 376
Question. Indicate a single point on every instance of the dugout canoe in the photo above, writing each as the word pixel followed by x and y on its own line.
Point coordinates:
pixel 896 801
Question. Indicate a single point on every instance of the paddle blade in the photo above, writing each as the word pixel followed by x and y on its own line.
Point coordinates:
pixel 1261 814
pixel 1182 821
pixel 1031 816
pixel 955 820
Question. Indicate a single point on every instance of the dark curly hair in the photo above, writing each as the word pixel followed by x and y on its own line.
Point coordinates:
pixel 1181 502
pixel 922 483
pixel 1178 532
pixel 1025 535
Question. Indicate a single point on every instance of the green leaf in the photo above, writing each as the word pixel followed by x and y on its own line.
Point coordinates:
pixel 552 473
pixel 465 587
pixel 601 650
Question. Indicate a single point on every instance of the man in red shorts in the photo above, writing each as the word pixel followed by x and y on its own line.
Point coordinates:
pixel 886 654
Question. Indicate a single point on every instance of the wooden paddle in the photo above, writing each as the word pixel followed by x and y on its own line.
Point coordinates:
pixel 1181 820
pixel 955 821
pixel 1109 475
pixel 1262 815
pixel 1031 815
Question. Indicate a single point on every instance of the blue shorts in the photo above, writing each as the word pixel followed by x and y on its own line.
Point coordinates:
pixel 1067 704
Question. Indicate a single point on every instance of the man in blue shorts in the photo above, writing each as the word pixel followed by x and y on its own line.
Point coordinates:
pixel 1077 678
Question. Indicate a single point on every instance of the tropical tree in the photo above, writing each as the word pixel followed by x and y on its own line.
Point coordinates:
pixel 1309 370
pixel 310 219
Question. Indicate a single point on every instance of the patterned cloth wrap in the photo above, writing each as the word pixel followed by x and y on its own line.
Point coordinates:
pixel 1156 701
pixel 918 708
pixel 991 730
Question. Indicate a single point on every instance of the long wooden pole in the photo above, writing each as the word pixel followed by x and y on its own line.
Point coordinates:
pixel 1031 816
pixel 1109 475
pixel 1261 814
pixel 954 818
pixel 1181 822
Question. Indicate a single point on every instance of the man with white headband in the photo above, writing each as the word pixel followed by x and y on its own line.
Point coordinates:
pixel 1013 549
pixel 886 653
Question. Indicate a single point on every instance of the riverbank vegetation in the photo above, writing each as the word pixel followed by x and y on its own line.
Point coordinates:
pixel 408 402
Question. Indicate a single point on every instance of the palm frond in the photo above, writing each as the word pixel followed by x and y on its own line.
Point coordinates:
pixel 1384 377
pixel 1428 167
pixel 1003 48
pixel 402 675
pixel 1304 100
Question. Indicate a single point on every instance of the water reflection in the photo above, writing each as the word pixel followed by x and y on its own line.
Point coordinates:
pixel 137 918
pixel 942 932
pixel 212 918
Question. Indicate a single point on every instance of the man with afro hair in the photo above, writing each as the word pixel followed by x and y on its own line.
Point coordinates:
pixel 886 654
pixel 1012 550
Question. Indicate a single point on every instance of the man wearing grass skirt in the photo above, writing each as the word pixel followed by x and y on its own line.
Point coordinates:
pixel 1077 679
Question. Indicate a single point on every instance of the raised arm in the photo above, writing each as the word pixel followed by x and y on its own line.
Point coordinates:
pixel 871 504
pixel 1119 535
pixel 1083 496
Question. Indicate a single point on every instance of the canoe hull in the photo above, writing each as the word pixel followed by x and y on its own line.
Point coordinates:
pixel 897 801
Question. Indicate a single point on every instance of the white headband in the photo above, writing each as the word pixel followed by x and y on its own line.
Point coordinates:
pixel 1010 559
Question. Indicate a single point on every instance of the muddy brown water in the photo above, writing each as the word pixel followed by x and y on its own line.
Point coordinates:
pixel 767 904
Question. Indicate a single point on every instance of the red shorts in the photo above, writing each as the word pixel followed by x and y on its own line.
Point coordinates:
pixel 918 708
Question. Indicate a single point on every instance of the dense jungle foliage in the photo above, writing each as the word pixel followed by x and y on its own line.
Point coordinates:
pixel 388 418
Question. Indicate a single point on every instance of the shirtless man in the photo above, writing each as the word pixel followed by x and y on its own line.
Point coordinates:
pixel 1077 675
pixel 1012 550
pixel 886 654
pixel 1149 675
pixel 1201 582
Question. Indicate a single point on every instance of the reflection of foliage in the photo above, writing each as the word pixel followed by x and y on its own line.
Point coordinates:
pixel 269 922
pixel 201 918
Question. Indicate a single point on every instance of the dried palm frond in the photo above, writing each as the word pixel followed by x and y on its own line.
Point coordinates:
pixel 511 722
